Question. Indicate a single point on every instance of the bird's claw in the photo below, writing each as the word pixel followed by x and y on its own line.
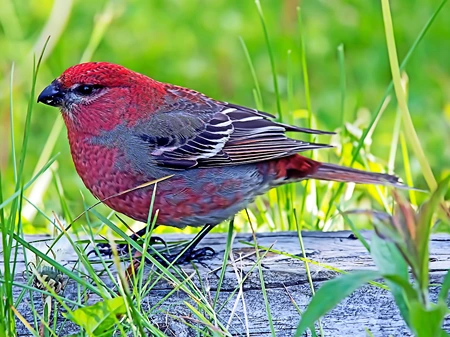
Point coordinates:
pixel 188 256
pixel 104 249
pixel 122 248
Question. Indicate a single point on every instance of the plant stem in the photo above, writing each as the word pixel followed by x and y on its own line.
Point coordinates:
pixel 401 98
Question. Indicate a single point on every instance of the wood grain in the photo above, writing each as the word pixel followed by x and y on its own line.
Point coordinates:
pixel 285 280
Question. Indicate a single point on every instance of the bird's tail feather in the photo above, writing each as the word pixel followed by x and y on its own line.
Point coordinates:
pixel 346 174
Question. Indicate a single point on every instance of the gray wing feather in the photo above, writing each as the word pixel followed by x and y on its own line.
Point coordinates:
pixel 195 131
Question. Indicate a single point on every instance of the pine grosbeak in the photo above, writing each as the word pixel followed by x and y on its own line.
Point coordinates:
pixel 126 129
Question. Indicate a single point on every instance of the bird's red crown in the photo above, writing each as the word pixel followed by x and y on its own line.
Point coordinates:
pixel 102 73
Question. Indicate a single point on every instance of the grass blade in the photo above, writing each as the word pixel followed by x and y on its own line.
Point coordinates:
pixel 401 98
pixel 269 50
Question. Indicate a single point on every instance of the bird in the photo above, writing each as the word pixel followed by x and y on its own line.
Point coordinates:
pixel 126 129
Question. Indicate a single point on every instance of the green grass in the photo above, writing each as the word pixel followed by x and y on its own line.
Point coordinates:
pixel 206 54
pixel 322 66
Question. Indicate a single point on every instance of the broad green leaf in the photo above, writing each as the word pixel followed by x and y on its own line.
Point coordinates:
pixel 390 262
pixel 388 258
pixel 443 293
pixel 100 317
pixel 424 228
pixel 410 292
pixel 427 322
pixel 331 294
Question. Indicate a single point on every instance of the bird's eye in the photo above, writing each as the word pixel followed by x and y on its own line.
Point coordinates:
pixel 87 89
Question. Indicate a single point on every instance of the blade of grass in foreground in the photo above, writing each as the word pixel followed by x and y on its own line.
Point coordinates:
pixel 7 323
pixel 225 261
pixel 308 271
pixel 261 278
pixel 8 226
pixel 401 98
pixel 11 123
pixel 31 103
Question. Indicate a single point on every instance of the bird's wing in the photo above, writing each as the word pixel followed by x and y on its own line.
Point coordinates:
pixel 196 131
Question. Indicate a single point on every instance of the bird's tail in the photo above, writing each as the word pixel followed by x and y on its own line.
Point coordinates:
pixel 346 174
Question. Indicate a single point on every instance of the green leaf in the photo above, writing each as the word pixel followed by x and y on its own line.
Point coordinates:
pixel 427 322
pixel 388 258
pixel 443 293
pixel 426 212
pixel 330 294
pixel 100 317
pixel 410 292
pixel 390 262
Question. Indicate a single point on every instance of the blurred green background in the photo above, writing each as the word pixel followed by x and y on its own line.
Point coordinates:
pixel 196 44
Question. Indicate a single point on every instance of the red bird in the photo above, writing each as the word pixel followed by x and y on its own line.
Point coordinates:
pixel 126 129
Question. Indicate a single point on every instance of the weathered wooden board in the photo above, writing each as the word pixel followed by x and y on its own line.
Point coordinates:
pixel 285 279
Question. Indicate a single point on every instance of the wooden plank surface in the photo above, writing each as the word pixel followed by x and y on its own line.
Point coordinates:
pixel 285 279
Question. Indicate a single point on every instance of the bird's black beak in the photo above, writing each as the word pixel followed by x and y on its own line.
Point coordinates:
pixel 52 95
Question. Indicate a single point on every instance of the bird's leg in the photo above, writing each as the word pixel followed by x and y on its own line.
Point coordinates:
pixel 122 248
pixel 189 253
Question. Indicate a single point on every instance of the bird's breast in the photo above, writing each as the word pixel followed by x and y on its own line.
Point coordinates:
pixel 192 197
pixel 96 165
pixel 106 173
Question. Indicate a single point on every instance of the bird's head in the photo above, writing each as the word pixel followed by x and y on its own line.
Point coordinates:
pixel 97 96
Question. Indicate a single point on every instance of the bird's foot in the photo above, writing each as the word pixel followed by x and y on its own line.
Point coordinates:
pixel 105 249
pixel 186 256
pixel 179 258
